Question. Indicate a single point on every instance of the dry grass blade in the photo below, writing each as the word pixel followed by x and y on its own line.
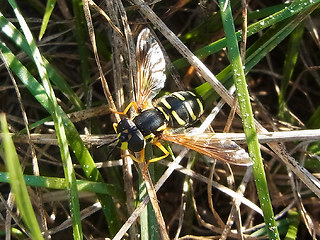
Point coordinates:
pixel 192 196
pixel 269 137
pixel 97 58
pixel 103 13
pixel 121 50
pixel 154 201
pixel 35 164
pixel 303 174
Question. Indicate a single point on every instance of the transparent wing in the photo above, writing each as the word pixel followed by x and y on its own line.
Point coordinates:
pixel 151 67
pixel 205 143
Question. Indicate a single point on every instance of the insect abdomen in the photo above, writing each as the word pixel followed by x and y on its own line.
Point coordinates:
pixel 180 108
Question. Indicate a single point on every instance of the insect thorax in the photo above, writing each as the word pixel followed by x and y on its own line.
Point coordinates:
pixel 150 122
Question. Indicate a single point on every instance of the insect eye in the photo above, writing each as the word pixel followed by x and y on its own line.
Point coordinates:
pixel 122 138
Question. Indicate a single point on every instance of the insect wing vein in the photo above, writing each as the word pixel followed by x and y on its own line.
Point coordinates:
pixel 151 67
pixel 224 150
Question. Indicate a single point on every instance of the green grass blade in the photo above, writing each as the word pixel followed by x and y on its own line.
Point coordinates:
pixel 212 25
pixel 288 226
pixel 49 8
pixel 81 35
pixel 247 119
pixel 19 39
pixel 286 12
pixel 314 119
pixel 264 45
pixel 288 68
pixel 17 182
pixel 60 184
pixel 144 215
pixel 58 124
pixel 76 144
pixel 149 224
pixel 294 221
pixel 16 233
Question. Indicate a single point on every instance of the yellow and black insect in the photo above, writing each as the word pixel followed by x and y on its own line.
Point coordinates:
pixel 176 110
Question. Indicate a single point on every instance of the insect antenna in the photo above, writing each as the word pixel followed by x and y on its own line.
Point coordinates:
pixel 113 148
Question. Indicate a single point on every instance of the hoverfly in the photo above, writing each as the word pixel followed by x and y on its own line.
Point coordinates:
pixel 155 122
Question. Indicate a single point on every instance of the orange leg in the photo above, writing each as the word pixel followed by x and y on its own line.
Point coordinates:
pixel 131 156
pixel 115 127
pixel 134 104
pixel 162 148
pixel 142 155
pixel 138 160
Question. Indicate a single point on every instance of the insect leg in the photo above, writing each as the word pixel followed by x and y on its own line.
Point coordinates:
pixel 142 155
pixel 134 104
pixel 162 148
pixel 115 125
pixel 138 160
pixel 131 156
